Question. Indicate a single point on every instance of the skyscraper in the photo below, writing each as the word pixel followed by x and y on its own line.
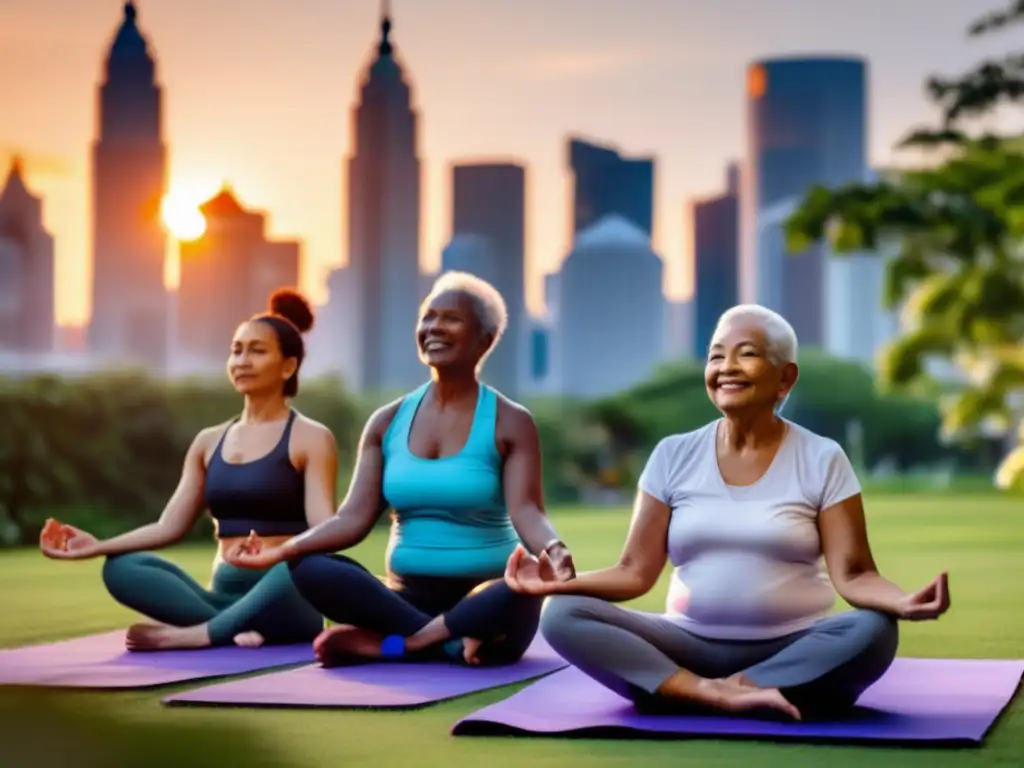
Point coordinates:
pixel 227 275
pixel 606 183
pixel 129 177
pixel 807 125
pixel 26 269
pixel 715 260
pixel 489 200
pixel 384 224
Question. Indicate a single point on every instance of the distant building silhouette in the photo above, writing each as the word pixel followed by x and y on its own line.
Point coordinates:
pixel 606 183
pixel 332 345
pixel 807 125
pixel 26 269
pixel 470 253
pixel 856 322
pixel 540 353
pixel 129 176
pixel 715 260
pixel 227 275
pixel 384 225
pixel 612 313
pixel 489 200
pixel 679 334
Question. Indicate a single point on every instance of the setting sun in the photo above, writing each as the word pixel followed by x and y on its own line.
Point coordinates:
pixel 182 217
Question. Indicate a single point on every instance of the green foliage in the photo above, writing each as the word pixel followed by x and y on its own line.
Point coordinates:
pixel 106 451
pixel 951 237
pixel 833 397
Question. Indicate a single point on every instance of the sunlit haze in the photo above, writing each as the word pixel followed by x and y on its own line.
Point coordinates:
pixel 258 94
pixel 182 217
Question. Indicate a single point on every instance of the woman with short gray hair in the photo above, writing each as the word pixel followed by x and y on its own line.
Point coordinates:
pixel 745 508
pixel 460 465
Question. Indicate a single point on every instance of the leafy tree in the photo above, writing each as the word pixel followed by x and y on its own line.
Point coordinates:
pixel 951 233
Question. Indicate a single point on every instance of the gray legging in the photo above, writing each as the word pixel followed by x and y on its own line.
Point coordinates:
pixel 821 670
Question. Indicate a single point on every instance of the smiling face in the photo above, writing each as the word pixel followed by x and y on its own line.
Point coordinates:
pixel 449 333
pixel 256 364
pixel 739 375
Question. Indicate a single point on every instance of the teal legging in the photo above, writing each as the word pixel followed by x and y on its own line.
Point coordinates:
pixel 241 599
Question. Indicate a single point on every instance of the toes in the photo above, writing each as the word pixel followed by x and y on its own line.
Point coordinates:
pixel 248 640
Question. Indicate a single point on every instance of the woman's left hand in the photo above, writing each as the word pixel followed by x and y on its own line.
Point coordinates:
pixel 253 553
pixel 531 575
pixel 928 603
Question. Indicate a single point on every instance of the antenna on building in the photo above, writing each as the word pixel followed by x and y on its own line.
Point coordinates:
pixel 385 48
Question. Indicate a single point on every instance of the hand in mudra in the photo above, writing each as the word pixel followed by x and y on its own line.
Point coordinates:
pixel 253 552
pixel 531 575
pixel 60 541
pixel 927 603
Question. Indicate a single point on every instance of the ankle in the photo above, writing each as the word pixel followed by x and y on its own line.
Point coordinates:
pixel 686 686
pixel 712 693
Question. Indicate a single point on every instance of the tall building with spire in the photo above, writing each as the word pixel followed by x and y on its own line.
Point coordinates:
pixel 384 224
pixel 26 269
pixel 129 177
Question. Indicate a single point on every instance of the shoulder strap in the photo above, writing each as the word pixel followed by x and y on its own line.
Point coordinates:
pixel 485 422
pixel 398 429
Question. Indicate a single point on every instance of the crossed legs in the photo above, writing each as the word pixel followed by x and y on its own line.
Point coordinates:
pixel 820 671
pixel 244 607
pixel 436 622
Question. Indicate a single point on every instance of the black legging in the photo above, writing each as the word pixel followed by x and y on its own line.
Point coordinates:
pixel 346 593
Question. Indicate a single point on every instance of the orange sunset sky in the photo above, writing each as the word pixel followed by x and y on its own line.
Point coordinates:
pixel 258 93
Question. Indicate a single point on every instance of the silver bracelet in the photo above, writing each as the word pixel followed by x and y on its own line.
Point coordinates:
pixel 553 543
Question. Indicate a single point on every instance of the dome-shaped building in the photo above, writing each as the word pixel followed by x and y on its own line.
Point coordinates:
pixel 611 310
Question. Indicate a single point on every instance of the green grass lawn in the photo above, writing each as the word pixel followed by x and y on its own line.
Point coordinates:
pixel 979 540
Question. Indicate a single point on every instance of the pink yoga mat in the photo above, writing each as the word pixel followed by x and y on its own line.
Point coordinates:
pixel 937 701
pixel 380 685
pixel 101 661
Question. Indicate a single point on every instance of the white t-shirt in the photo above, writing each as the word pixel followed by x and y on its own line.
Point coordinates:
pixel 748 561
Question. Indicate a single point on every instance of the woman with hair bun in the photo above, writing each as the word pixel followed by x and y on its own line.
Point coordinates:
pixel 270 472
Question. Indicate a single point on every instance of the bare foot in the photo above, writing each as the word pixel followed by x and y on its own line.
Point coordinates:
pixel 470 645
pixel 732 696
pixel 340 644
pixel 248 639
pixel 740 680
pixel 161 637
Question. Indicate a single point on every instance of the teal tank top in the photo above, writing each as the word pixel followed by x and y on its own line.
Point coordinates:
pixel 449 514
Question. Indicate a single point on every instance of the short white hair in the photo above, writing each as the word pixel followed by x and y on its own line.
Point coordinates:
pixel 779 334
pixel 488 303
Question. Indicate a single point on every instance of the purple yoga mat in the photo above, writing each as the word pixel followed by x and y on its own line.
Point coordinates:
pixel 918 700
pixel 391 685
pixel 101 661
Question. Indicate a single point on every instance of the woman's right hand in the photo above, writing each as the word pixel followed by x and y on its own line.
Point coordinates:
pixel 253 553
pixel 60 541
pixel 531 575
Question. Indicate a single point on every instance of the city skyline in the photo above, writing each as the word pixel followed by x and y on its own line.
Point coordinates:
pixel 54 131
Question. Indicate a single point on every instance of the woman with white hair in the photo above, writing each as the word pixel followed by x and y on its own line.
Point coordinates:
pixel 460 466
pixel 745 509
